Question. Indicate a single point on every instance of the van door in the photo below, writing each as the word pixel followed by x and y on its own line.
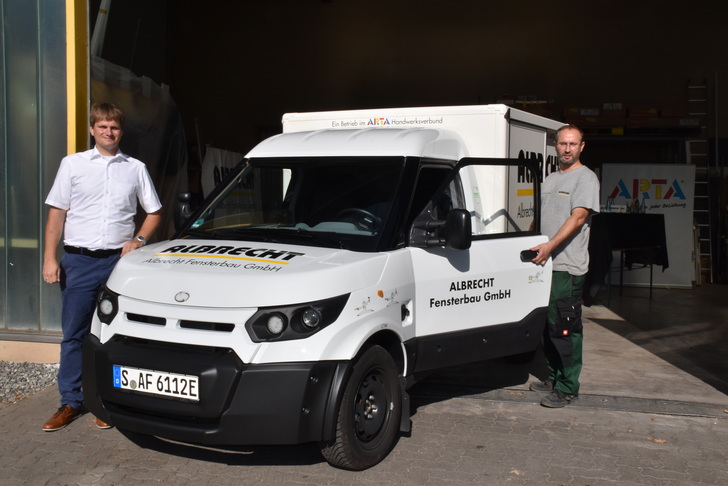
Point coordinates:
pixel 482 302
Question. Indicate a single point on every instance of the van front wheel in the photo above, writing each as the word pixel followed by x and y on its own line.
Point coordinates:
pixel 367 425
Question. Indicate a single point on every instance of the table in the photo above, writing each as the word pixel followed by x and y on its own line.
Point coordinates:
pixel 640 239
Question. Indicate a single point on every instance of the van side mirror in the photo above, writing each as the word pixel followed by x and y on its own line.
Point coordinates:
pixel 454 232
pixel 458 229
pixel 183 209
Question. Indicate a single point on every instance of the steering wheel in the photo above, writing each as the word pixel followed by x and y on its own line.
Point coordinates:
pixel 361 218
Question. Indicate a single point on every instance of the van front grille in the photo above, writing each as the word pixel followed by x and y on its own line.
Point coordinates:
pixel 199 325
pixel 157 321
pixel 207 326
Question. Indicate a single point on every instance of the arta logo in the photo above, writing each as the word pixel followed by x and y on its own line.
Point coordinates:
pixel 378 121
pixel 648 189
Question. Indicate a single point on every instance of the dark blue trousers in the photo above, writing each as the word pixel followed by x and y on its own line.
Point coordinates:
pixel 81 278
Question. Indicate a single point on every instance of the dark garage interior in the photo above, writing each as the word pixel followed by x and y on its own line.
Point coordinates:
pixel 642 79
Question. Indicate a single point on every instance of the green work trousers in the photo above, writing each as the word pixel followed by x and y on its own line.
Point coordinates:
pixel 564 332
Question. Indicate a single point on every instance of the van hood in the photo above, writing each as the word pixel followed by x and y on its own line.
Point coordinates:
pixel 227 274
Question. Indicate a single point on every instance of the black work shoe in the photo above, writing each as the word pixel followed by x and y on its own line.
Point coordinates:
pixel 546 386
pixel 557 399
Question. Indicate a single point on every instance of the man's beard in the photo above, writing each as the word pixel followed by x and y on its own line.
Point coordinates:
pixel 569 163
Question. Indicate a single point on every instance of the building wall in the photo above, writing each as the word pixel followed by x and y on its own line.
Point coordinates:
pixel 32 143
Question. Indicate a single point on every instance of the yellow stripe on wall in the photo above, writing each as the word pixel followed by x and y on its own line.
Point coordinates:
pixel 71 76
pixel 77 75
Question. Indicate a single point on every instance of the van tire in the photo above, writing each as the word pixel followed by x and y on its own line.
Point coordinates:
pixel 367 424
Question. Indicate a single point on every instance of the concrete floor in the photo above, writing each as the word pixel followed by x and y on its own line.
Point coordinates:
pixel 686 327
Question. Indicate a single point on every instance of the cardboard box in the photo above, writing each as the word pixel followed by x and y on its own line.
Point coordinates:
pixel 614 112
pixel 689 122
pixel 638 122
pixel 506 100
pixel 674 113
pixel 659 122
pixel 596 121
pixel 581 112
pixel 643 111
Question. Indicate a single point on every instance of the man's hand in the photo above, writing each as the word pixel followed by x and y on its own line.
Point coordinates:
pixel 131 246
pixel 51 271
pixel 149 225
pixel 543 252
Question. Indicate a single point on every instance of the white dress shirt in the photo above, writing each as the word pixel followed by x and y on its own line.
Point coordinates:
pixel 101 194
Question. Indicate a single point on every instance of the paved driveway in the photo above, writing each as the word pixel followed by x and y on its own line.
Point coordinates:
pixel 639 420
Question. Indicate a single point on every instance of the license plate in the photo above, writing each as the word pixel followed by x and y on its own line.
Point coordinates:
pixel 158 383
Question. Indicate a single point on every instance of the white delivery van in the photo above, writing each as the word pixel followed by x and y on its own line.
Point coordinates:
pixel 338 263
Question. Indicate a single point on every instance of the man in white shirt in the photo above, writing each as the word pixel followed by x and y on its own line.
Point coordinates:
pixel 93 202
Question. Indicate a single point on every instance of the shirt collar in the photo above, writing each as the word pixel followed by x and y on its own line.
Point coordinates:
pixel 95 154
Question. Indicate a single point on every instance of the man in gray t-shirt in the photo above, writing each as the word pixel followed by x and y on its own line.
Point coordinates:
pixel 569 198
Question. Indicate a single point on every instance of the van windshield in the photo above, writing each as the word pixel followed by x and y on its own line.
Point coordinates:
pixel 331 202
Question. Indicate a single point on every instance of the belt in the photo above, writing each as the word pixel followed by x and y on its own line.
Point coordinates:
pixel 77 250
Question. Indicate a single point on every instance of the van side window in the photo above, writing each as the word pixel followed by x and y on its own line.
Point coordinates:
pixel 429 204
pixel 500 201
pixel 429 179
pixel 498 198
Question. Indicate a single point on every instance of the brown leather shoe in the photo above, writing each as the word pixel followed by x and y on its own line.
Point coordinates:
pixel 64 416
pixel 101 424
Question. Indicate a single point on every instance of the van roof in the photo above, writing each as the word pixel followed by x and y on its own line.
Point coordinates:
pixel 419 142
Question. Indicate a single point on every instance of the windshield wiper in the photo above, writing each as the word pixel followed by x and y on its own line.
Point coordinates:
pixel 195 233
pixel 272 234
pixel 316 236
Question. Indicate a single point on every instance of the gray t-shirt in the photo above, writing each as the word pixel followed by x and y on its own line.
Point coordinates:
pixel 560 193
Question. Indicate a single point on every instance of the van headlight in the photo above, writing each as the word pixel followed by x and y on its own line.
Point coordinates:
pixel 311 318
pixel 296 321
pixel 107 305
pixel 275 324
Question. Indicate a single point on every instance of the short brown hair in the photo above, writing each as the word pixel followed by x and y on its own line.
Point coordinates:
pixel 106 111
pixel 570 127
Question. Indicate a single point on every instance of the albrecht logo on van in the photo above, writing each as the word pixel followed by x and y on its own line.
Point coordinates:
pixel 230 251
pixel 648 189
pixel 378 121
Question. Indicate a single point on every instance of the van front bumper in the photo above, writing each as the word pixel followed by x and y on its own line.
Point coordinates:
pixel 239 404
